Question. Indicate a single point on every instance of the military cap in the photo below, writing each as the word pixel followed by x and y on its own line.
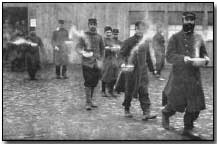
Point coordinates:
pixel 107 28
pixel 115 31
pixel 189 14
pixel 139 23
pixel 92 20
pixel 61 21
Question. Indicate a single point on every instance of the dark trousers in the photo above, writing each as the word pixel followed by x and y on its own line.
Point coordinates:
pixel 189 117
pixel 103 86
pixel 58 68
pixel 143 99
pixel 91 76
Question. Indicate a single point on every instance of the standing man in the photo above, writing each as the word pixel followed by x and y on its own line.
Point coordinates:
pixel 91 48
pixel 115 37
pixel 137 79
pixel 32 55
pixel 110 65
pixel 60 35
pixel 23 28
pixel 183 92
pixel 159 48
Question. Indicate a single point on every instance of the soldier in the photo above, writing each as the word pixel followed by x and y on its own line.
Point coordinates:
pixel 158 45
pixel 115 36
pixel 32 55
pixel 137 79
pixel 183 91
pixel 91 48
pixel 110 67
pixel 60 35
pixel 23 27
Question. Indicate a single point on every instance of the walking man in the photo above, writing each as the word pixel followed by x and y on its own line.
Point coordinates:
pixel 91 48
pixel 183 92
pixel 60 35
pixel 110 65
pixel 137 79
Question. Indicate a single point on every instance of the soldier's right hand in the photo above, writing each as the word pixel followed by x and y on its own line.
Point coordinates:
pixel 187 59
pixel 56 48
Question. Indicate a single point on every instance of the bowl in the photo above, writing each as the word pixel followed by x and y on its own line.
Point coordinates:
pixel 87 54
pixel 128 68
pixel 198 62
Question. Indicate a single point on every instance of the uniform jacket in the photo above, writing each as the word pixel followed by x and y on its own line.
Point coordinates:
pixel 139 77
pixel 184 88
pixel 92 42
pixel 110 64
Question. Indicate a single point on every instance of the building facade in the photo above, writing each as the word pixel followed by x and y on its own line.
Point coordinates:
pixel 42 17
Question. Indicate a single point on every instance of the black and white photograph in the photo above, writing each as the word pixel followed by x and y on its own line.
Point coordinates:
pixel 102 71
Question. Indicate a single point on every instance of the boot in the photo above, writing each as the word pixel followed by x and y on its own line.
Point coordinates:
pixel 127 113
pixel 147 115
pixel 110 91
pixel 189 133
pixel 88 98
pixel 104 94
pixel 64 69
pixel 92 104
pixel 165 121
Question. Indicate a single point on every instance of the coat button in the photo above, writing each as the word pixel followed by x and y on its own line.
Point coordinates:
pixel 186 45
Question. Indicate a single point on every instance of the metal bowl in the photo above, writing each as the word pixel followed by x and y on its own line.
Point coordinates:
pixel 198 62
pixel 87 54
pixel 127 68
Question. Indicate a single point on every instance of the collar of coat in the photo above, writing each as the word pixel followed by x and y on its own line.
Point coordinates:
pixel 91 33
pixel 137 37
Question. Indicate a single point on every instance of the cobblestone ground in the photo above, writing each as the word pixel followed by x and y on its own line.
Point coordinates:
pixel 54 109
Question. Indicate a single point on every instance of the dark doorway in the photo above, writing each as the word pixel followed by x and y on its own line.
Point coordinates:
pixel 16 14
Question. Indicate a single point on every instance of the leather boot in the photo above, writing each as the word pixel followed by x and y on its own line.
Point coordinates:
pixel 147 115
pixel 127 113
pixel 165 121
pixel 88 98
pixel 189 133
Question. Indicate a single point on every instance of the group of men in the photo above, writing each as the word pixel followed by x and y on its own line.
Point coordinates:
pixel 21 56
pixel 183 92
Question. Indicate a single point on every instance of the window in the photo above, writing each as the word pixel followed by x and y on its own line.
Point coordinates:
pixel 210 18
pixel 156 16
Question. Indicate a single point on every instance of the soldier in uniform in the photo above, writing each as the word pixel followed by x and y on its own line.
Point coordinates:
pixel 32 55
pixel 92 44
pixel 137 79
pixel 60 35
pixel 110 65
pixel 159 47
pixel 115 36
pixel 183 92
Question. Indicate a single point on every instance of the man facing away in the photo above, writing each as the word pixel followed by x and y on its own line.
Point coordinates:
pixel 159 48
